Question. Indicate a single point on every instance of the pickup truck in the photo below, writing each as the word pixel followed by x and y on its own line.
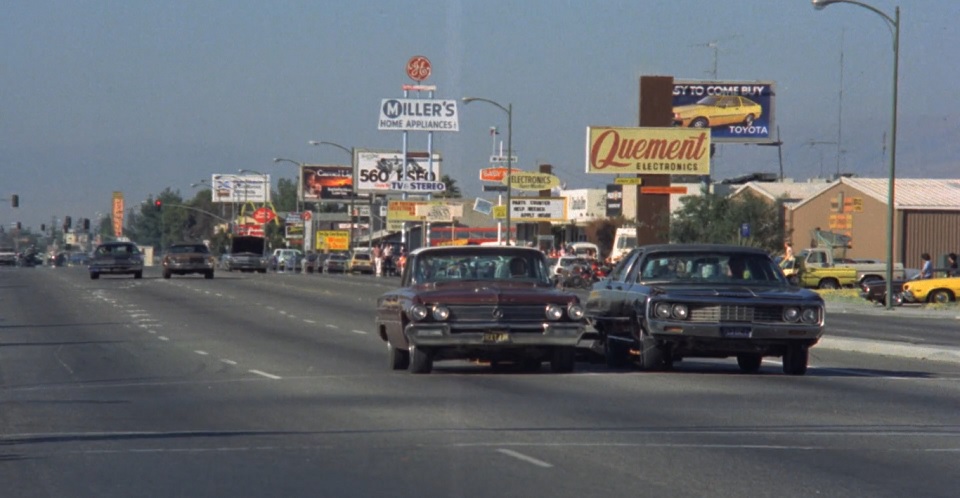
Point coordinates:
pixel 822 257
pixel 799 274
pixel 8 256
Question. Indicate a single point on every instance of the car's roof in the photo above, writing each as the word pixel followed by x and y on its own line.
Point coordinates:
pixel 116 243
pixel 724 248
pixel 475 249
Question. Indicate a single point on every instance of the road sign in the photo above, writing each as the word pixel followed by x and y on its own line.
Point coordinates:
pixel 502 159
pixel 419 68
pixel 496 174
pixel 745 230
pixel 264 215
pixel 494 188
pixel 663 190
pixel 307 216
pixel 627 180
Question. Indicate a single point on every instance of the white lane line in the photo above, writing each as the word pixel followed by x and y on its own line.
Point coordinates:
pixel 283 312
pixel 265 374
pixel 228 362
pixel 361 332
pixel 525 458
pixel 308 321
pixel 152 331
pixel 201 353
pixel 332 326
pixel 162 338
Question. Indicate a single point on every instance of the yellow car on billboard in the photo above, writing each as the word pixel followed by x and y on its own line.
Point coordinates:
pixel 932 290
pixel 717 110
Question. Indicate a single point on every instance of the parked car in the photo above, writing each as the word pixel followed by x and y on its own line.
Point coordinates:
pixel 717 110
pixel 246 254
pixel 287 259
pixel 186 258
pixel 875 291
pixel 336 262
pixel 483 303
pixel 361 262
pixel 668 302
pixel 116 258
pixel 932 290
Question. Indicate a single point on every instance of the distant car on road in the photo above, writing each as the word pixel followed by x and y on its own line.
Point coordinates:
pixel 336 262
pixel 361 262
pixel 116 258
pixel 717 110
pixel 183 259
pixel 246 255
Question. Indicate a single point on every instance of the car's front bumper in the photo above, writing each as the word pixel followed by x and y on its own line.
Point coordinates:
pixel 115 268
pixel 496 334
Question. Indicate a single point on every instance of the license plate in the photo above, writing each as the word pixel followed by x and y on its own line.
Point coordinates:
pixel 736 332
pixel 496 337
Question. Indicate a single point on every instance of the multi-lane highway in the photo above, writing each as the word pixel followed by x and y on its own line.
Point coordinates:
pixel 276 385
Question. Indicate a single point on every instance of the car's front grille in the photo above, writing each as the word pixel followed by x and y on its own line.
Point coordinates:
pixel 736 313
pixel 488 313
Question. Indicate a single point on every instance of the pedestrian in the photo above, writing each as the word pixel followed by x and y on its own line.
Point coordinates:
pixel 926 269
pixel 377 259
pixel 787 251
pixel 952 270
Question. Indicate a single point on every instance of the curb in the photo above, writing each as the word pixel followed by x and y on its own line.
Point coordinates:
pixel 912 312
pixel 941 353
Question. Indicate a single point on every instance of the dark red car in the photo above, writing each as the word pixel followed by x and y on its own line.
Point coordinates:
pixel 485 303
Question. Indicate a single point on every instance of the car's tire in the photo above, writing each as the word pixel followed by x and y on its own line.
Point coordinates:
pixel 795 360
pixel 700 123
pixel 749 362
pixel 940 296
pixel 397 359
pixel 652 356
pixel 94 276
pixel 615 353
pixel 530 365
pixel 748 121
pixel 261 271
pixel 421 362
pixel 167 274
pixel 208 275
pixel 563 359
pixel 828 283
pixel 138 275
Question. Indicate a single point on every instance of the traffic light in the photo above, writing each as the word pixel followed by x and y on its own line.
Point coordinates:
pixel 15 200
pixel 67 223
pixel 158 204
pixel 86 224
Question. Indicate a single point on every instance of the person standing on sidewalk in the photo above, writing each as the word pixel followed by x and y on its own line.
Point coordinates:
pixel 377 260
pixel 952 270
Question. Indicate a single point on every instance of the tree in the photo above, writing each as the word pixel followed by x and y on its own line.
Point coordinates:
pixel 452 191
pixel 602 231
pixel 716 219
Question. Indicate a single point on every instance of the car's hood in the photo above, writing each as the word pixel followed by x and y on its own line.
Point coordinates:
pixel 690 108
pixel 246 255
pixel 738 291
pixel 488 292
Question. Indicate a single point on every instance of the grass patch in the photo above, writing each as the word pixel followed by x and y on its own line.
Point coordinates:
pixel 841 295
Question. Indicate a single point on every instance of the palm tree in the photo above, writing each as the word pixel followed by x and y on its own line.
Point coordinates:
pixel 452 191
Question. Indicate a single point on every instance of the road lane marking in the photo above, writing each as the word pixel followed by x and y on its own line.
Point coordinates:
pixel 265 374
pixel 361 332
pixel 308 321
pixel 162 338
pixel 332 326
pixel 152 331
pixel 525 458
pixel 228 362
pixel 201 353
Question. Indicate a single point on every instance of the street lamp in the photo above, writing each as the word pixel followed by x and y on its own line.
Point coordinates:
pixel 509 110
pixel 894 23
pixel 299 175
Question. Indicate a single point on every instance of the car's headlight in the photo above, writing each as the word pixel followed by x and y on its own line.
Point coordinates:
pixel 662 310
pixel 441 313
pixel 417 312
pixel 791 314
pixel 554 312
pixel 575 311
pixel 810 315
pixel 680 311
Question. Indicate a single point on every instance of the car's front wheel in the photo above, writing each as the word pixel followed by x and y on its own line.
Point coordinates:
pixel 94 275
pixel 397 359
pixel 563 359
pixel 138 274
pixel 941 297
pixel 795 360
pixel 208 275
pixel 167 274
pixel 749 362
pixel 615 353
pixel 748 121
pixel 421 362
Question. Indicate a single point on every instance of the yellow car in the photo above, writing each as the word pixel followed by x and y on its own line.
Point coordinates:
pixel 717 110
pixel 932 290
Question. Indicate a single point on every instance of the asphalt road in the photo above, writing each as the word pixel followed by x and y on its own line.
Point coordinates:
pixel 274 385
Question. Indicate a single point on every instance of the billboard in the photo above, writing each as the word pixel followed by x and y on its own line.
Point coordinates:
pixel 535 209
pixel 418 115
pixel 382 172
pixel 648 151
pixel 117 214
pixel 333 240
pixel 734 111
pixel 240 188
pixel 326 183
pixel 441 210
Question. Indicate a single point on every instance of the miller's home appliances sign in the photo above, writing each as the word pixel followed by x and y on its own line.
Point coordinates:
pixel 418 115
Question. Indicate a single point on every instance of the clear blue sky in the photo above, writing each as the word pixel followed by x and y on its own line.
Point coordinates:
pixel 99 96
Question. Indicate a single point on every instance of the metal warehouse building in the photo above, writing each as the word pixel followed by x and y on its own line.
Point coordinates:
pixel 926 218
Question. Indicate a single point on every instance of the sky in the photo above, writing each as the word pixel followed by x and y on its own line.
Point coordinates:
pixel 104 96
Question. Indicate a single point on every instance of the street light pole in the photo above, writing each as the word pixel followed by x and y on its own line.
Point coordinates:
pixel 509 110
pixel 893 22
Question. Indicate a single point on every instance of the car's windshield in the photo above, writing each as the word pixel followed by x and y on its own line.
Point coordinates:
pixel 488 265
pixel 714 267
pixel 188 249
pixel 117 249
